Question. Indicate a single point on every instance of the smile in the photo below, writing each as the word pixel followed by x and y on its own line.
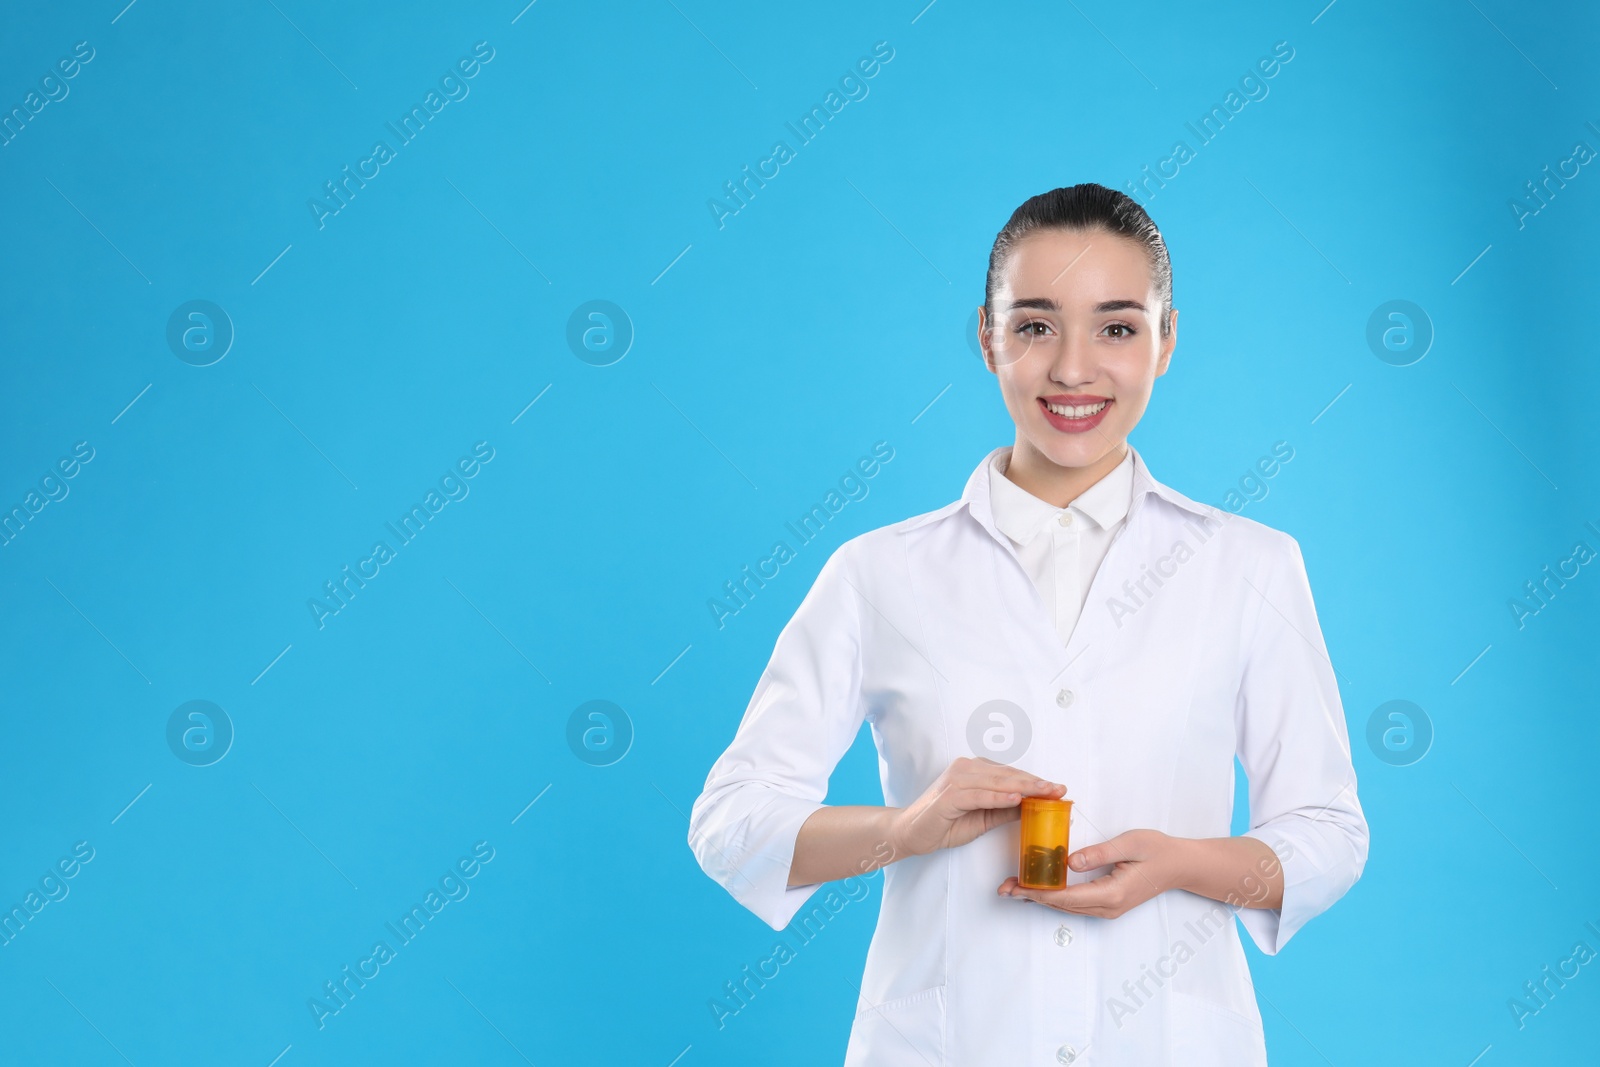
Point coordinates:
pixel 1075 411
pixel 1075 414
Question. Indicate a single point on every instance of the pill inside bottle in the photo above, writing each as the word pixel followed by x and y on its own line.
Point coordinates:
pixel 1043 863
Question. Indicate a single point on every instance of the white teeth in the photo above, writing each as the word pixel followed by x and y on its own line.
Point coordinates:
pixel 1076 411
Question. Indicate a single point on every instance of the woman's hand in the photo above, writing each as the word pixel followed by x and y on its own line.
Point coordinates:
pixel 971 797
pixel 1145 863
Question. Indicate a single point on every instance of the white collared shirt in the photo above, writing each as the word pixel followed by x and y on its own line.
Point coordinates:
pixel 1061 548
pixel 1198 642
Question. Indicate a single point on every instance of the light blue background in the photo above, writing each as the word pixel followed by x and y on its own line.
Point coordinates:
pixel 825 316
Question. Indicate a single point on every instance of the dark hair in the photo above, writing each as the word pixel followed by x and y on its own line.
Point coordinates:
pixel 1083 207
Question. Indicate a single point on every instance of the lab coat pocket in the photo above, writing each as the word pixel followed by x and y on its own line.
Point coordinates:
pixel 907 1031
pixel 1208 1034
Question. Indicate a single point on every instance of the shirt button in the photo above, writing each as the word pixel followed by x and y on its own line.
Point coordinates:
pixel 1066 1054
pixel 1063 935
pixel 1064 698
pixel 1065 519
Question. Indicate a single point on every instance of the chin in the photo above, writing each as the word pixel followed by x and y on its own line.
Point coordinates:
pixel 1089 449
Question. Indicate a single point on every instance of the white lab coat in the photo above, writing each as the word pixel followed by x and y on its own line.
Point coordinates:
pixel 1198 642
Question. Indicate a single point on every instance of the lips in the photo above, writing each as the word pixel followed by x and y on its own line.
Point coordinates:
pixel 1075 412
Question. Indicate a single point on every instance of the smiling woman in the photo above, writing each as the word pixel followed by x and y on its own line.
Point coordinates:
pixel 1138 716
pixel 1086 306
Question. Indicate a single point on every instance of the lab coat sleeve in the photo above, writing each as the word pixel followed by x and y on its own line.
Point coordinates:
pixel 804 714
pixel 1295 749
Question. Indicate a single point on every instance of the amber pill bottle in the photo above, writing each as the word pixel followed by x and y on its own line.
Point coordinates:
pixel 1043 860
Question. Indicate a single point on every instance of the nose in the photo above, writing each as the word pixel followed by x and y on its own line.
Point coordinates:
pixel 1074 364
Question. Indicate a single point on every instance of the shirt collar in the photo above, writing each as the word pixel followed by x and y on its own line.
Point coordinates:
pixel 1021 516
pixel 975 497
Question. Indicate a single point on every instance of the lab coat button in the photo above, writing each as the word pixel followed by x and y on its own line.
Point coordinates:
pixel 1065 519
pixel 1063 935
pixel 1066 1054
pixel 1064 698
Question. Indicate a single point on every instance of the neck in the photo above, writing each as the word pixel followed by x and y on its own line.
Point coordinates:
pixel 1036 473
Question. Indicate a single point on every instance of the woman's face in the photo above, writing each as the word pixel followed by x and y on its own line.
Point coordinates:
pixel 1076 343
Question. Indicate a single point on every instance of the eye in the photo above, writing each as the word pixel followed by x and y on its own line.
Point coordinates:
pixel 1127 331
pixel 1027 329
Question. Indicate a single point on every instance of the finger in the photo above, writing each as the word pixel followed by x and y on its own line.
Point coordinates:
pixel 1050 898
pixel 974 799
pixel 1085 898
pixel 1001 816
pixel 1117 849
pixel 1012 780
pixel 1096 894
pixel 1014 889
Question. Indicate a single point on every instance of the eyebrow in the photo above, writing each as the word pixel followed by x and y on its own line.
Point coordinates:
pixel 1045 303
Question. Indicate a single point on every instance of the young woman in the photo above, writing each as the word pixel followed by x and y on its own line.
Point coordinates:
pixel 1070 627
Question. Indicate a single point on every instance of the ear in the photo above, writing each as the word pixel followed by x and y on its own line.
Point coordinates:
pixel 1167 345
pixel 983 338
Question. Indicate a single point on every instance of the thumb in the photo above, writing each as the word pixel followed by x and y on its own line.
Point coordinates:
pixel 1104 854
